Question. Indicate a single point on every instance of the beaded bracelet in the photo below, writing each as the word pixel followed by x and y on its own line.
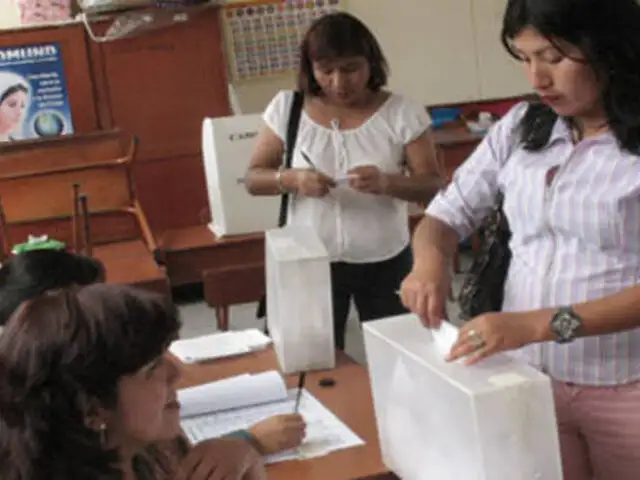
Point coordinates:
pixel 279 179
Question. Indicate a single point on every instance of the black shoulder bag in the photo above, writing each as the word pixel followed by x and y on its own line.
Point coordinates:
pixel 483 289
pixel 290 144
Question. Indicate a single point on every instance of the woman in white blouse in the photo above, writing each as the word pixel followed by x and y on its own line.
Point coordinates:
pixel 569 169
pixel 378 143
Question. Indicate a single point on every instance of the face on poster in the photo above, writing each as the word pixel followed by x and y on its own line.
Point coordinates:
pixel 34 100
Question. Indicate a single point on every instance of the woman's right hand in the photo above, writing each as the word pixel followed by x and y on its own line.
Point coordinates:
pixel 311 183
pixel 424 291
pixel 279 433
pixel 224 458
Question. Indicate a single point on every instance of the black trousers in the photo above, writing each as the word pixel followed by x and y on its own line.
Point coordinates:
pixel 373 288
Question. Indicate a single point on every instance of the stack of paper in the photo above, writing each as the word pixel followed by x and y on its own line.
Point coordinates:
pixel 219 345
pixel 219 408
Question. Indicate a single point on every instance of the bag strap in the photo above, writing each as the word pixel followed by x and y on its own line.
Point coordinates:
pixel 290 145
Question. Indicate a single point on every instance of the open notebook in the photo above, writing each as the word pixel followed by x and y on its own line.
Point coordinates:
pixel 218 408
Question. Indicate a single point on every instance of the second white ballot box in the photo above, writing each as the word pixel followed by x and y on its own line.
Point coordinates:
pixel 447 421
pixel 299 305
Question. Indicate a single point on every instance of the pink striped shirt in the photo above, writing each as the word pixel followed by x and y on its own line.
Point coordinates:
pixel 573 240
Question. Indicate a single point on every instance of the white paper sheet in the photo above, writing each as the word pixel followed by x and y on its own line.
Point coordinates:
pixel 219 345
pixel 344 179
pixel 325 432
pixel 445 337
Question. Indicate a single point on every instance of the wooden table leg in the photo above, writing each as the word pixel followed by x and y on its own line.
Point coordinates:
pixel 222 317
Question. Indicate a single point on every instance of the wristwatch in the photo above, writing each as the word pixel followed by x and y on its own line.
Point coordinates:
pixel 565 325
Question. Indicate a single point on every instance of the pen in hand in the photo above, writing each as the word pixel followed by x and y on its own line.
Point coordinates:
pixel 308 160
pixel 301 379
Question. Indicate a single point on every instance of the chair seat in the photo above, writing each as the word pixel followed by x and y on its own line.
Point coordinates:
pixel 131 263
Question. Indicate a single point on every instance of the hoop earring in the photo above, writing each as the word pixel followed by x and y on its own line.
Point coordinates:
pixel 103 434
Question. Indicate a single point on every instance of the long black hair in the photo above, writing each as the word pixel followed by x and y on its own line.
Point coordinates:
pixel 608 34
pixel 61 355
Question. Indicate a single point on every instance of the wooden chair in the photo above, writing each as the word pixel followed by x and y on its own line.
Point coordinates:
pixel 80 227
pixel 80 223
pixel 4 241
pixel 37 176
pixel 87 179
pixel 228 286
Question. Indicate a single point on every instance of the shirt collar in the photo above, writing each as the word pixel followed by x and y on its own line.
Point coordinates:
pixel 562 132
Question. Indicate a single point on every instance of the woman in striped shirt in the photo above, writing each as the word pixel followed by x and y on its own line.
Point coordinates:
pixel 569 169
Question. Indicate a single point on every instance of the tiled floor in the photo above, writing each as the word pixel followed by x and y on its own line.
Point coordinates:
pixel 198 319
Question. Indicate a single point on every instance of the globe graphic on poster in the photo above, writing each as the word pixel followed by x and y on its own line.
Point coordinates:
pixel 48 124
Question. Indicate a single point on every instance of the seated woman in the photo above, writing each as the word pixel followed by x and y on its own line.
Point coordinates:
pixel 89 391
pixel 30 274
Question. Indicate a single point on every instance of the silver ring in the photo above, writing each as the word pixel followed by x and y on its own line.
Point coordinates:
pixel 476 339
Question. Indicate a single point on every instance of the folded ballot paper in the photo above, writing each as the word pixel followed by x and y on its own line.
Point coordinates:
pixel 437 420
pixel 219 345
pixel 219 408
pixel 299 308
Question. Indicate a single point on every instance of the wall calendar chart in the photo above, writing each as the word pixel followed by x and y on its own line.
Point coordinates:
pixel 263 36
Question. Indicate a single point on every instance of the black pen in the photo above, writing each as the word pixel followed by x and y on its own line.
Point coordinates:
pixel 301 379
pixel 308 160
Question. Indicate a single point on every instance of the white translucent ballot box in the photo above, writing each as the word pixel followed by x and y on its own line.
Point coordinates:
pixel 447 421
pixel 299 305
pixel 227 145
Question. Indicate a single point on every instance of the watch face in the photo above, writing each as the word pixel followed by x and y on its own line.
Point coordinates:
pixel 565 325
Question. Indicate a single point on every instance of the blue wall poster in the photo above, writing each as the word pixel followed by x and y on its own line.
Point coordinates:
pixel 34 101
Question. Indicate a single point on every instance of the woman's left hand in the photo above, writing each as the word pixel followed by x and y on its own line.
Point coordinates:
pixel 492 333
pixel 368 179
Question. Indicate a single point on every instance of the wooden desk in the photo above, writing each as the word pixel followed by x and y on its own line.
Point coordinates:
pixel 350 400
pixel 190 252
pixel 231 269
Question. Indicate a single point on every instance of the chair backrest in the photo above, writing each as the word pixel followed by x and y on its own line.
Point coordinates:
pixel 4 236
pixel 80 227
pixel 36 178
pixel 38 182
pixel 33 156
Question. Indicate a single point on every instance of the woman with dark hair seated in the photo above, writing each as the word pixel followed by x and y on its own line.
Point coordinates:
pixel 32 273
pixel 89 391
pixel 28 275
